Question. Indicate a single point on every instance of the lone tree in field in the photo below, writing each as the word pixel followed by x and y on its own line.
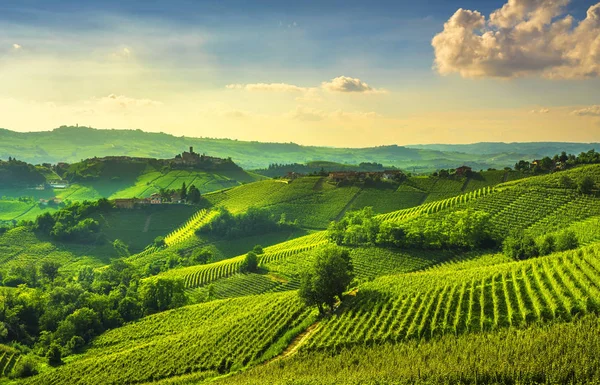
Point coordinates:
pixel 328 278
pixel 193 194
pixel 250 264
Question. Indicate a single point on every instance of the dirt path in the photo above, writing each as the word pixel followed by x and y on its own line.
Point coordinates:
pixel 147 224
pixel 297 342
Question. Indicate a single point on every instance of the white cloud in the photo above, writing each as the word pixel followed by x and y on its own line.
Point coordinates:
pixel 315 114
pixel 267 87
pixel 540 111
pixel 588 111
pixel 16 46
pixel 348 84
pixel 339 84
pixel 524 37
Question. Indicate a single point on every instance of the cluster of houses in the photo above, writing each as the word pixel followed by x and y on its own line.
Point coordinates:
pixel 361 176
pixel 50 202
pixel 155 199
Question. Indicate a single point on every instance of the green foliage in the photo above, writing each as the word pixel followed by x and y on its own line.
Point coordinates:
pixel 160 294
pixel 54 355
pixel 159 241
pixel 18 173
pixel 465 229
pixel 206 339
pixel 250 264
pixel 566 240
pixel 329 277
pixel 586 185
pixel 482 299
pixel 521 246
pixel 72 223
pixel 258 249
pixel 251 222
pixel 193 195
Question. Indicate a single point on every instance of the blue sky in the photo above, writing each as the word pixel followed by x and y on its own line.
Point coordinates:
pixel 190 67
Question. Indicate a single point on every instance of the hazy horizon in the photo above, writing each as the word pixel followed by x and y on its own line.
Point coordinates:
pixel 307 144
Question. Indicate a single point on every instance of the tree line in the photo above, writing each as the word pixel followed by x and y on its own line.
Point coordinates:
pixel 55 314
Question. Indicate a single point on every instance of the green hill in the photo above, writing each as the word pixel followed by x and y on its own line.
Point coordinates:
pixel 71 144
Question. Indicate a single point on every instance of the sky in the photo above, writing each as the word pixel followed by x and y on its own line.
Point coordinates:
pixel 335 73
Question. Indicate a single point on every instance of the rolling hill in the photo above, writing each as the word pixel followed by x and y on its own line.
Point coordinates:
pixel 71 144
pixel 439 315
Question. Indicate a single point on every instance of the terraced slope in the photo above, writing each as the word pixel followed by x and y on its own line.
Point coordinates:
pixel 206 340
pixel 188 229
pixel 8 359
pixel 421 305
pixel 309 200
pixel 195 276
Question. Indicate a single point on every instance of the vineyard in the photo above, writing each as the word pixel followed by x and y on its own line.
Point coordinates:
pixel 554 353
pixel 423 305
pixel 188 229
pixel 434 207
pixel 309 200
pixel 8 358
pixel 211 338
pixel 196 276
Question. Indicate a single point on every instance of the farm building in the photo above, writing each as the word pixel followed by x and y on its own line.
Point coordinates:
pixel 463 171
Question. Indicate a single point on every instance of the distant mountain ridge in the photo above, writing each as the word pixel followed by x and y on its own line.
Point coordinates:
pixel 73 144
pixel 540 149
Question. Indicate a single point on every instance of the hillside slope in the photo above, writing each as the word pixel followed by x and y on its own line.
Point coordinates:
pixel 70 144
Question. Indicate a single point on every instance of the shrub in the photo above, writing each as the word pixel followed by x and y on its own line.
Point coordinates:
pixel 250 264
pixel 520 246
pixel 54 355
pixel 567 240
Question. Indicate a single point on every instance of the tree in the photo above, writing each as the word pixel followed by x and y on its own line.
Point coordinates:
pixel 49 270
pixel 563 157
pixel 54 355
pixel 250 264
pixel 566 240
pixel 547 245
pixel 194 194
pixel 201 256
pixel 520 246
pixel 84 323
pixel 159 241
pixel 161 294
pixel 258 250
pixel 183 192
pixel 565 182
pixel 328 278
pixel 586 185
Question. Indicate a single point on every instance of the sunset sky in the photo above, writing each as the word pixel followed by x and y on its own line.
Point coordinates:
pixel 338 73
